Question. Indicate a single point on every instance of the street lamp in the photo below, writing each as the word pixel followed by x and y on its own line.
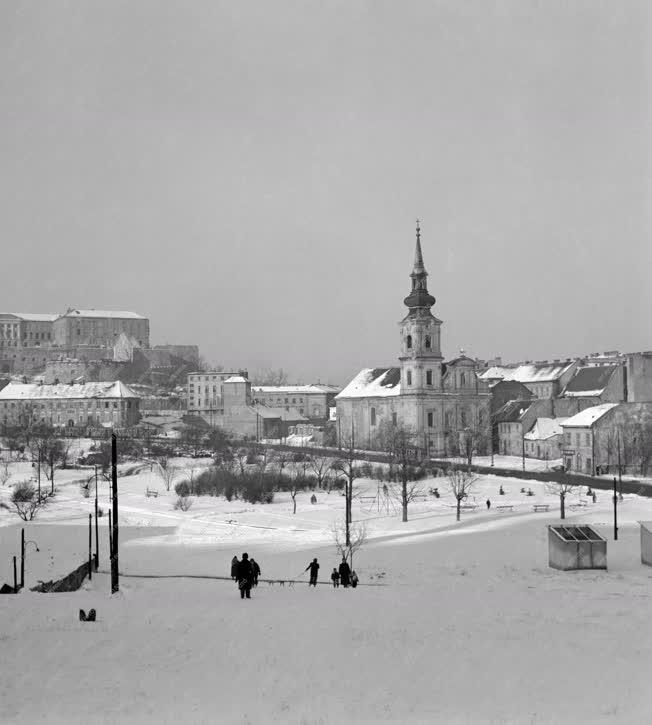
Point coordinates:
pixel 23 545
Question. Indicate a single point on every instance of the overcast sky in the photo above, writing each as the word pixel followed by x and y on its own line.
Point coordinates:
pixel 248 174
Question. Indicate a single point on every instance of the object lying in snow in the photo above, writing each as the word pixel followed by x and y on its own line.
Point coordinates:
pixel 90 617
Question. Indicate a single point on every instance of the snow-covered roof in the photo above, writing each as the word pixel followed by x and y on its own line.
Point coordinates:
pixel 590 381
pixel 35 316
pixel 512 411
pixel 374 383
pixel 118 314
pixel 545 428
pixel 295 389
pixel 31 391
pixel 586 418
pixel 528 372
pixel 236 379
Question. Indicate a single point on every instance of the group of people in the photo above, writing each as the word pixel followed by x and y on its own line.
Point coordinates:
pixel 343 574
pixel 246 573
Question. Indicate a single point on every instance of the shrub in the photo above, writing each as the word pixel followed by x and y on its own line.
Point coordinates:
pixel 365 470
pixel 183 503
pixel 26 501
pixel 182 488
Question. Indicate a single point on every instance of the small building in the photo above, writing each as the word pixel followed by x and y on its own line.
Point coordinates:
pixel 646 542
pixel 576 547
pixel 512 421
pixel 73 406
pixel 579 443
pixel 545 439
pixel 206 394
pixel 544 379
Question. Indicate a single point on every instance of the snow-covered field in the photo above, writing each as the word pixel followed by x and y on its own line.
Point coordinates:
pixel 468 623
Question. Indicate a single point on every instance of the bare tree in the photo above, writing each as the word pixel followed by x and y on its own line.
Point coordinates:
pixel 474 440
pixel 166 471
pixel 241 457
pixel 562 489
pixel 345 465
pixel 26 500
pixel 321 467
pixel 269 376
pixel 399 441
pixel 357 536
pixel 5 473
pixel 281 459
pixel 460 483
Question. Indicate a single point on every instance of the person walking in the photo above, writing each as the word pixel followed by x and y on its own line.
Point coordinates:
pixel 255 570
pixel 234 568
pixel 335 578
pixel 245 577
pixel 488 504
pixel 314 568
pixel 345 573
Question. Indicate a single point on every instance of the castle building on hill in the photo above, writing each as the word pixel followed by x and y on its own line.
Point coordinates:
pixel 443 403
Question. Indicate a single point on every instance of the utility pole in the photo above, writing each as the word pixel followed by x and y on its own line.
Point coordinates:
pixel 22 558
pixel 115 584
pixel 615 512
pixel 620 478
pixel 97 532
pixel 90 546
pixel 522 449
pixel 15 578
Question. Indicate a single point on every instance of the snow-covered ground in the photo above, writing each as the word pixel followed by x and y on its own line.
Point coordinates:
pixel 469 626
pixel 513 462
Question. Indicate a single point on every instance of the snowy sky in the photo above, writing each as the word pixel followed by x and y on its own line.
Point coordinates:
pixel 248 174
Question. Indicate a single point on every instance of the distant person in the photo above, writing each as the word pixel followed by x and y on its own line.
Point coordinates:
pixel 593 496
pixel 488 504
pixel 335 577
pixel 354 579
pixel 234 567
pixel 345 573
pixel 314 568
pixel 245 577
pixel 255 570
pixel 501 491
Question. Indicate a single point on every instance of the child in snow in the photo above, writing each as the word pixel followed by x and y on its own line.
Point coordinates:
pixel 354 579
pixel 335 576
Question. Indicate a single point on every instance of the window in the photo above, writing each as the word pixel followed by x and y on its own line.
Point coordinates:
pixel 394 419
pixel 587 439
pixel 428 377
pixel 372 414
pixel 408 342
pixel 462 379
pixel 294 400
pixel 427 342
pixel 301 411
pixel 409 377
pixel 577 440
pixel 430 417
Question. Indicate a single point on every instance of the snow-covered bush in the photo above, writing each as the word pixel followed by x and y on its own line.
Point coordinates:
pixel 26 500
pixel 183 503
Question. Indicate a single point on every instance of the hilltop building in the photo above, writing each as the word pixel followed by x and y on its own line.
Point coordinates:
pixel 442 402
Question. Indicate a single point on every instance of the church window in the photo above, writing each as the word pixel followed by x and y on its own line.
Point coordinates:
pixel 430 420
pixel 394 419
pixel 373 416
pixel 409 342
pixel 409 377
pixel 462 379
pixel 427 342
pixel 428 377
pixel 447 420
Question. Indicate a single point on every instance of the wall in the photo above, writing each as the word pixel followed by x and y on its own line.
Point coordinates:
pixel 639 377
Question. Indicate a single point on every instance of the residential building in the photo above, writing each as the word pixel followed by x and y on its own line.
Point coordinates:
pixel 89 405
pixel 544 440
pixel 205 393
pixel 579 445
pixel 603 383
pixel 312 401
pixel 512 421
pixel 99 328
pixel 544 379
pixel 442 402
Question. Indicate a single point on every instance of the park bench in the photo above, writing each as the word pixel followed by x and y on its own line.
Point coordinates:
pixel 541 507
pixel 151 492
pixel 505 507
pixel 469 506
pixel 579 505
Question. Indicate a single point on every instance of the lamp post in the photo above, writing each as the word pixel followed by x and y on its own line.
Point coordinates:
pixel 23 546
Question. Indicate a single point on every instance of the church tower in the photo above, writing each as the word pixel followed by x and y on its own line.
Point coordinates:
pixel 421 356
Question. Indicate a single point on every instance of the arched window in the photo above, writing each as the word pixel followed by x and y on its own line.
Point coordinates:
pixel 427 342
pixel 372 414
pixel 462 379
pixel 409 377
pixel 409 342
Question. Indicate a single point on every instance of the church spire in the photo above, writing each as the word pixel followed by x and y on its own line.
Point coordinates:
pixel 419 297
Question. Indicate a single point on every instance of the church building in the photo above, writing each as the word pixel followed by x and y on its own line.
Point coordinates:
pixel 443 403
